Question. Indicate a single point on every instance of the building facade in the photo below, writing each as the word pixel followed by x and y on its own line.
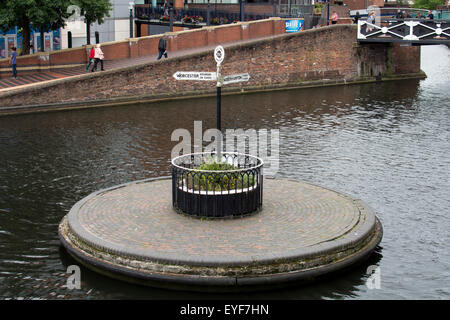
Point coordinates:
pixel 116 27
pixel 13 38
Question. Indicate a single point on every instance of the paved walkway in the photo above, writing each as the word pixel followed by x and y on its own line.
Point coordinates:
pixel 133 233
pixel 139 219
pixel 39 77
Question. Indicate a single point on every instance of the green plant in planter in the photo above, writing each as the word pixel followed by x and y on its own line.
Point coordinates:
pixel 188 19
pixel 220 181
pixel 214 21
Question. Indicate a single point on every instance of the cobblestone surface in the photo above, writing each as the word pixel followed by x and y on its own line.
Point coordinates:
pixel 137 220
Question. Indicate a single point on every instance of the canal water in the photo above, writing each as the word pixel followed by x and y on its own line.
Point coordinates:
pixel 386 143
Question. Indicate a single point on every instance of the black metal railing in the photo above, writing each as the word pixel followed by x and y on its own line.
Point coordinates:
pixel 233 191
pixel 216 16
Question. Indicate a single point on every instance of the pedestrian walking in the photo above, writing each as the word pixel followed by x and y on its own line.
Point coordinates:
pixel 334 18
pixel 166 8
pixel 91 58
pixel 98 56
pixel 371 20
pixel 162 48
pixel 430 15
pixel 13 61
pixel 356 17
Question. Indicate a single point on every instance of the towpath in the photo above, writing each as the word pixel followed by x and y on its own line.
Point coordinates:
pixel 10 83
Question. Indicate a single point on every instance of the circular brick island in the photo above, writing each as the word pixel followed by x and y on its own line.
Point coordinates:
pixel 131 232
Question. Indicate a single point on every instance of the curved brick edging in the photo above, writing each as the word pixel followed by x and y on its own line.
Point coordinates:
pixel 352 235
pixel 200 282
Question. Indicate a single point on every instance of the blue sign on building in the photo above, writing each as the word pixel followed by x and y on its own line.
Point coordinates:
pixel 293 25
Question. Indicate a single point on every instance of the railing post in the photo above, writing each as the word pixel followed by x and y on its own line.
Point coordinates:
pixel 328 12
pixel 69 39
pixel 208 22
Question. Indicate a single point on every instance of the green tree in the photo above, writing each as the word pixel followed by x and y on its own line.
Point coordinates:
pixel 49 15
pixel 428 4
pixel 44 15
pixel 93 11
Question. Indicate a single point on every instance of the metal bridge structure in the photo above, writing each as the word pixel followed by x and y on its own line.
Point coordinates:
pixel 407 31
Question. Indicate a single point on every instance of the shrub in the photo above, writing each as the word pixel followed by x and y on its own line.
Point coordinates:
pixel 220 181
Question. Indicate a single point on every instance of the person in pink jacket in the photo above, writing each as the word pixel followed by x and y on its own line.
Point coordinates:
pixel 334 18
pixel 98 56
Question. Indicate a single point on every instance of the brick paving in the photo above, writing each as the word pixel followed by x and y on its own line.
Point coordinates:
pixel 298 219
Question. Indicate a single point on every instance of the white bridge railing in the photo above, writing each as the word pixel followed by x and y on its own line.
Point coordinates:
pixel 405 30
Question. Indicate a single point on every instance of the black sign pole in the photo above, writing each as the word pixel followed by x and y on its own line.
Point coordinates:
pixel 219 114
pixel 219 55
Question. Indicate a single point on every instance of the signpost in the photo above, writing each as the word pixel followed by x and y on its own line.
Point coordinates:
pixel 199 76
pixel 219 56
pixel 240 77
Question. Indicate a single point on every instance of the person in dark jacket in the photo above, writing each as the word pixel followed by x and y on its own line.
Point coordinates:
pixel 356 17
pixel 162 48
pixel 399 15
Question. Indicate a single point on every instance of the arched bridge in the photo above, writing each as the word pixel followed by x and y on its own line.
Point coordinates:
pixel 410 31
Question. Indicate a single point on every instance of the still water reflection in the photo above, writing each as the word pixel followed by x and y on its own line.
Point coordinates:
pixel 386 143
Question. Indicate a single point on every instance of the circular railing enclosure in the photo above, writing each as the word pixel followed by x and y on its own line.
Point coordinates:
pixel 217 186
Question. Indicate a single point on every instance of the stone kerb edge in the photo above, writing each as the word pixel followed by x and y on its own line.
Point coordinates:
pixel 118 271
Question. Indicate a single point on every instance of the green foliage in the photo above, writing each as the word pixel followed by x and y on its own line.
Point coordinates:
pixel 47 15
pixel 94 10
pixel 44 15
pixel 221 181
pixel 50 14
pixel 428 4
pixel 318 8
pixel 217 21
pixel 216 166
pixel 192 19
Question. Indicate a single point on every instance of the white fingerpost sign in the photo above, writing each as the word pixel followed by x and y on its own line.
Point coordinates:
pixel 194 75
pixel 233 78
pixel 219 54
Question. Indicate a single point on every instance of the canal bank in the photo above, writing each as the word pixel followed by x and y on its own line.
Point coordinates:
pixel 318 57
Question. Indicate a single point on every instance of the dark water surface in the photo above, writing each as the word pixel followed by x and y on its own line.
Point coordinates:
pixel 386 143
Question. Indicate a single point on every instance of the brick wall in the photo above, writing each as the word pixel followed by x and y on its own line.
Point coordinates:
pixel 402 59
pixel 136 47
pixel 323 54
pixel 361 4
